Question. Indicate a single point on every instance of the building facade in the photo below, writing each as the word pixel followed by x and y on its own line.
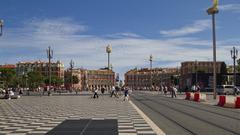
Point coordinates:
pixel 8 66
pixel 57 68
pixel 99 78
pixel 92 79
pixel 201 73
pixel 146 79
pixel 80 74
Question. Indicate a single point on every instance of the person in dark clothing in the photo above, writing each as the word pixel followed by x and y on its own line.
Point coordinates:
pixel 102 90
pixel 6 96
pixel 125 94
pixel 20 92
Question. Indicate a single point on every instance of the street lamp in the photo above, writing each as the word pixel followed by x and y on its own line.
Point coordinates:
pixel 49 56
pixel 1 27
pixel 71 68
pixel 212 11
pixel 24 78
pixel 150 60
pixel 196 74
pixel 108 50
pixel 234 55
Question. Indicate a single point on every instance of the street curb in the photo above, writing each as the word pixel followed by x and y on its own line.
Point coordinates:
pixel 155 128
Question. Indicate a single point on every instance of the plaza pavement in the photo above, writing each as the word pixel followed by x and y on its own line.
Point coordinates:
pixel 37 115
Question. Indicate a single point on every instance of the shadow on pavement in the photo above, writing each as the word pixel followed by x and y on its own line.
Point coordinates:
pixel 86 127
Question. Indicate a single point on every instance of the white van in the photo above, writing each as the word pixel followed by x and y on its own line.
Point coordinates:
pixel 225 89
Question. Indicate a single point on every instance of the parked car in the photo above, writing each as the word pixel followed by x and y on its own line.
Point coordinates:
pixel 225 90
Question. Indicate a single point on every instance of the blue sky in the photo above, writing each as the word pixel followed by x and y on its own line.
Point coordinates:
pixel 171 30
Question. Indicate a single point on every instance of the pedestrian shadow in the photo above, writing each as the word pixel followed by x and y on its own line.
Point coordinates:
pixel 86 127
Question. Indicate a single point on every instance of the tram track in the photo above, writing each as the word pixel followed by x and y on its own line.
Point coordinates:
pixel 190 131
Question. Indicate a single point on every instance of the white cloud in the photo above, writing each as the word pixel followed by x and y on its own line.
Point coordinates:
pixel 124 35
pixel 196 27
pixel 59 26
pixel 89 51
pixel 230 7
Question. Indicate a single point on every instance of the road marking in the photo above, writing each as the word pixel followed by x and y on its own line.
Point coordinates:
pixel 86 127
pixel 155 128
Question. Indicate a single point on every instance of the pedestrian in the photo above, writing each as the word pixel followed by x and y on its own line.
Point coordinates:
pixel 117 91
pixel 49 90
pixel 102 90
pixel 11 93
pixel 198 88
pixel 6 96
pixel 193 88
pixel 76 91
pixel 126 95
pixel 40 91
pixel 165 90
pixel 113 92
pixel 95 93
pixel 28 91
pixel 157 89
pixel 20 92
pixel 174 92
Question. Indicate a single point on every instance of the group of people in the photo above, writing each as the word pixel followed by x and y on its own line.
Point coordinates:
pixel 116 91
pixel 8 93
pixel 195 88
pixel 165 89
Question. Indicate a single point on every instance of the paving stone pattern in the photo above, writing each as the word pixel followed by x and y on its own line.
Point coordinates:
pixel 38 115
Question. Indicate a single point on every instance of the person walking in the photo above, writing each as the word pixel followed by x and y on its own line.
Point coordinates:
pixel 198 88
pixel 20 91
pixel 95 93
pixel 113 91
pixel 11 93
pixel 165 90
pixel 126 95
pixel 193 88
pixel 6 96
pixel 102 90
pixel 48 90
pixel 174 92
pixel 117 91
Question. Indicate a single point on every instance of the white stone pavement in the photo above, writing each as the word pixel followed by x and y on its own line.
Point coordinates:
pixel 38 115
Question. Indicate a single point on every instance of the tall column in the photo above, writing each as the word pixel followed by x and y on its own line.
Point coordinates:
pixel 212 11
pixel 49 56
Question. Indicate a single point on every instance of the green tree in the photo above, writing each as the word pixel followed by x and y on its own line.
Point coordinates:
pixel 74 79
pixel 224 70
pixel 56 81
pixel 7 76
pixel 175 79
pixel 34 79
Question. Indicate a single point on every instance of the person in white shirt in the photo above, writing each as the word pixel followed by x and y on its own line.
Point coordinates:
pixel 174 91
pixel 95 93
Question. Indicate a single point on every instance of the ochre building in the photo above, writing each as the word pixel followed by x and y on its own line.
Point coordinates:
pixel 146 79
pixel 57 68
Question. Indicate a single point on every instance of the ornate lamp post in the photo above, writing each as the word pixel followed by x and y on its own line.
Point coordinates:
pixel 196 74
pixel 212 11
pixel 234 55
pixel 150 60
pixel 108 50
pixel 24 78
pixel 49 56
pixel 71 68
pixel 1 27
